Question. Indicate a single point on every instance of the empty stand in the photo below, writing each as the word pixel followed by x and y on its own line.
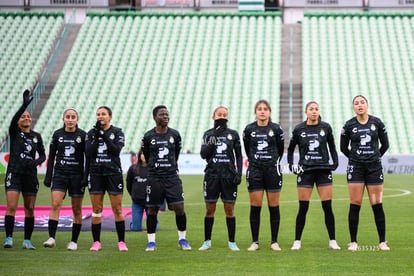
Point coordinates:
pixel 190 62
pixel 26 40
pixel 346 54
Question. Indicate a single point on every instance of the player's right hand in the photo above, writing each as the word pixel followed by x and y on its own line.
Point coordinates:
pixel 27 97
pixel 47 182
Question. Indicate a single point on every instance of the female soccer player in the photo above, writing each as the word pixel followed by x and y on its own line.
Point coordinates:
pixel 161 146
pixel 21 174
pixel 263 142
pixel 104 143
pixel 364 133
pixel 221 149
pixel 313 138
pixel 67 148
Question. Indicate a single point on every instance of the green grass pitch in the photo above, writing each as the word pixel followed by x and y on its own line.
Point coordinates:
pixel 313 259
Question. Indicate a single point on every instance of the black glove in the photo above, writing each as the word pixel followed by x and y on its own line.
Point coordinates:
pixel 219 126
pixel 27 97
pixel 334 166
pixel 47 182
pixel 84 182
pixel 97 128
pixel 237 179
pixel 294 169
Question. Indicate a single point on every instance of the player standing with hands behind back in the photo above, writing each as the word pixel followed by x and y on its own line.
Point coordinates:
pixel 221 149
pixel 161 147
pixel 364 132
pixel 21 175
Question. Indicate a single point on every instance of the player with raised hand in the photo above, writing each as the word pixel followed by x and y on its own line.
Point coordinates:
pixel 221 149
pixel 65 173
pixel 264 144
pixel 21 174
pixel 313 137
pixel 364 140
pixel 161 147
pixel 104 143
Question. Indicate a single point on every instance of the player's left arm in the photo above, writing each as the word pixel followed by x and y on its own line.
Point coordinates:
pixel 383 137
pixel 114 145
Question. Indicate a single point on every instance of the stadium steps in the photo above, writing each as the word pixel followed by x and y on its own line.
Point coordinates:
pixel 60 62
pixel 291 53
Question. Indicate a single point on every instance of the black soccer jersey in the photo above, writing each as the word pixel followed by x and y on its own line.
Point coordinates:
pixel 224 160
pixel 161 150
pixel 68 149
pixel 103 151
pixel 23 148
pixel 313 142
pixel 264 145
pixel 364 140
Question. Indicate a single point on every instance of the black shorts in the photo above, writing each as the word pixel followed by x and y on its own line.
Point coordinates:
pixel 70 183
pixel 266 178
pixel 318 177
pixel 114 184
pixel 159 189
pixel 24 183
pixel 215 187
pixel 369 174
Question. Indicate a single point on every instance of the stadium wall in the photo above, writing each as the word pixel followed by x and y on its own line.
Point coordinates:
pixel 192 164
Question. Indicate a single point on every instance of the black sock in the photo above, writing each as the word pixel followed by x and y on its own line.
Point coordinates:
pixel 231 228
pixel 28 227
pixel 96 232
pixel 255 222
pixel 120 230
pixel 301 218
pixel 208 228
pixel 9 225
pixel 52 227
pixel 151 223
pixel 353 220
pixel 181 222
pixel 379 220
pixel 329 218
pixel 76 228
pixel 274 222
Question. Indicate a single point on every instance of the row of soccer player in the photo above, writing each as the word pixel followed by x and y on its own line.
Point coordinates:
pixel 363 140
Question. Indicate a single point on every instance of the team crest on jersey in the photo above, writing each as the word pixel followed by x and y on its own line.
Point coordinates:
pixel 229 137
pixel 373 128
pixel 171 140
pixel 35 140
pixel 112 136
pixel 78 139
pixel 322 133
pixel 271 133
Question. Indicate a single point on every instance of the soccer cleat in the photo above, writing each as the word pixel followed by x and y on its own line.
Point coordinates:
pixel 233 246
pixel 28 245
pixel 96 246
pixel 8 243
pixel 206 245
pixel 275 247
pixel 353 246
pixel 50 243
pixel 122 246
pixel 296 245
pixel 72 246
pixel 183 244
pixel 383 246
pixel 253 247
pixel 334 245
pixel 151 246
